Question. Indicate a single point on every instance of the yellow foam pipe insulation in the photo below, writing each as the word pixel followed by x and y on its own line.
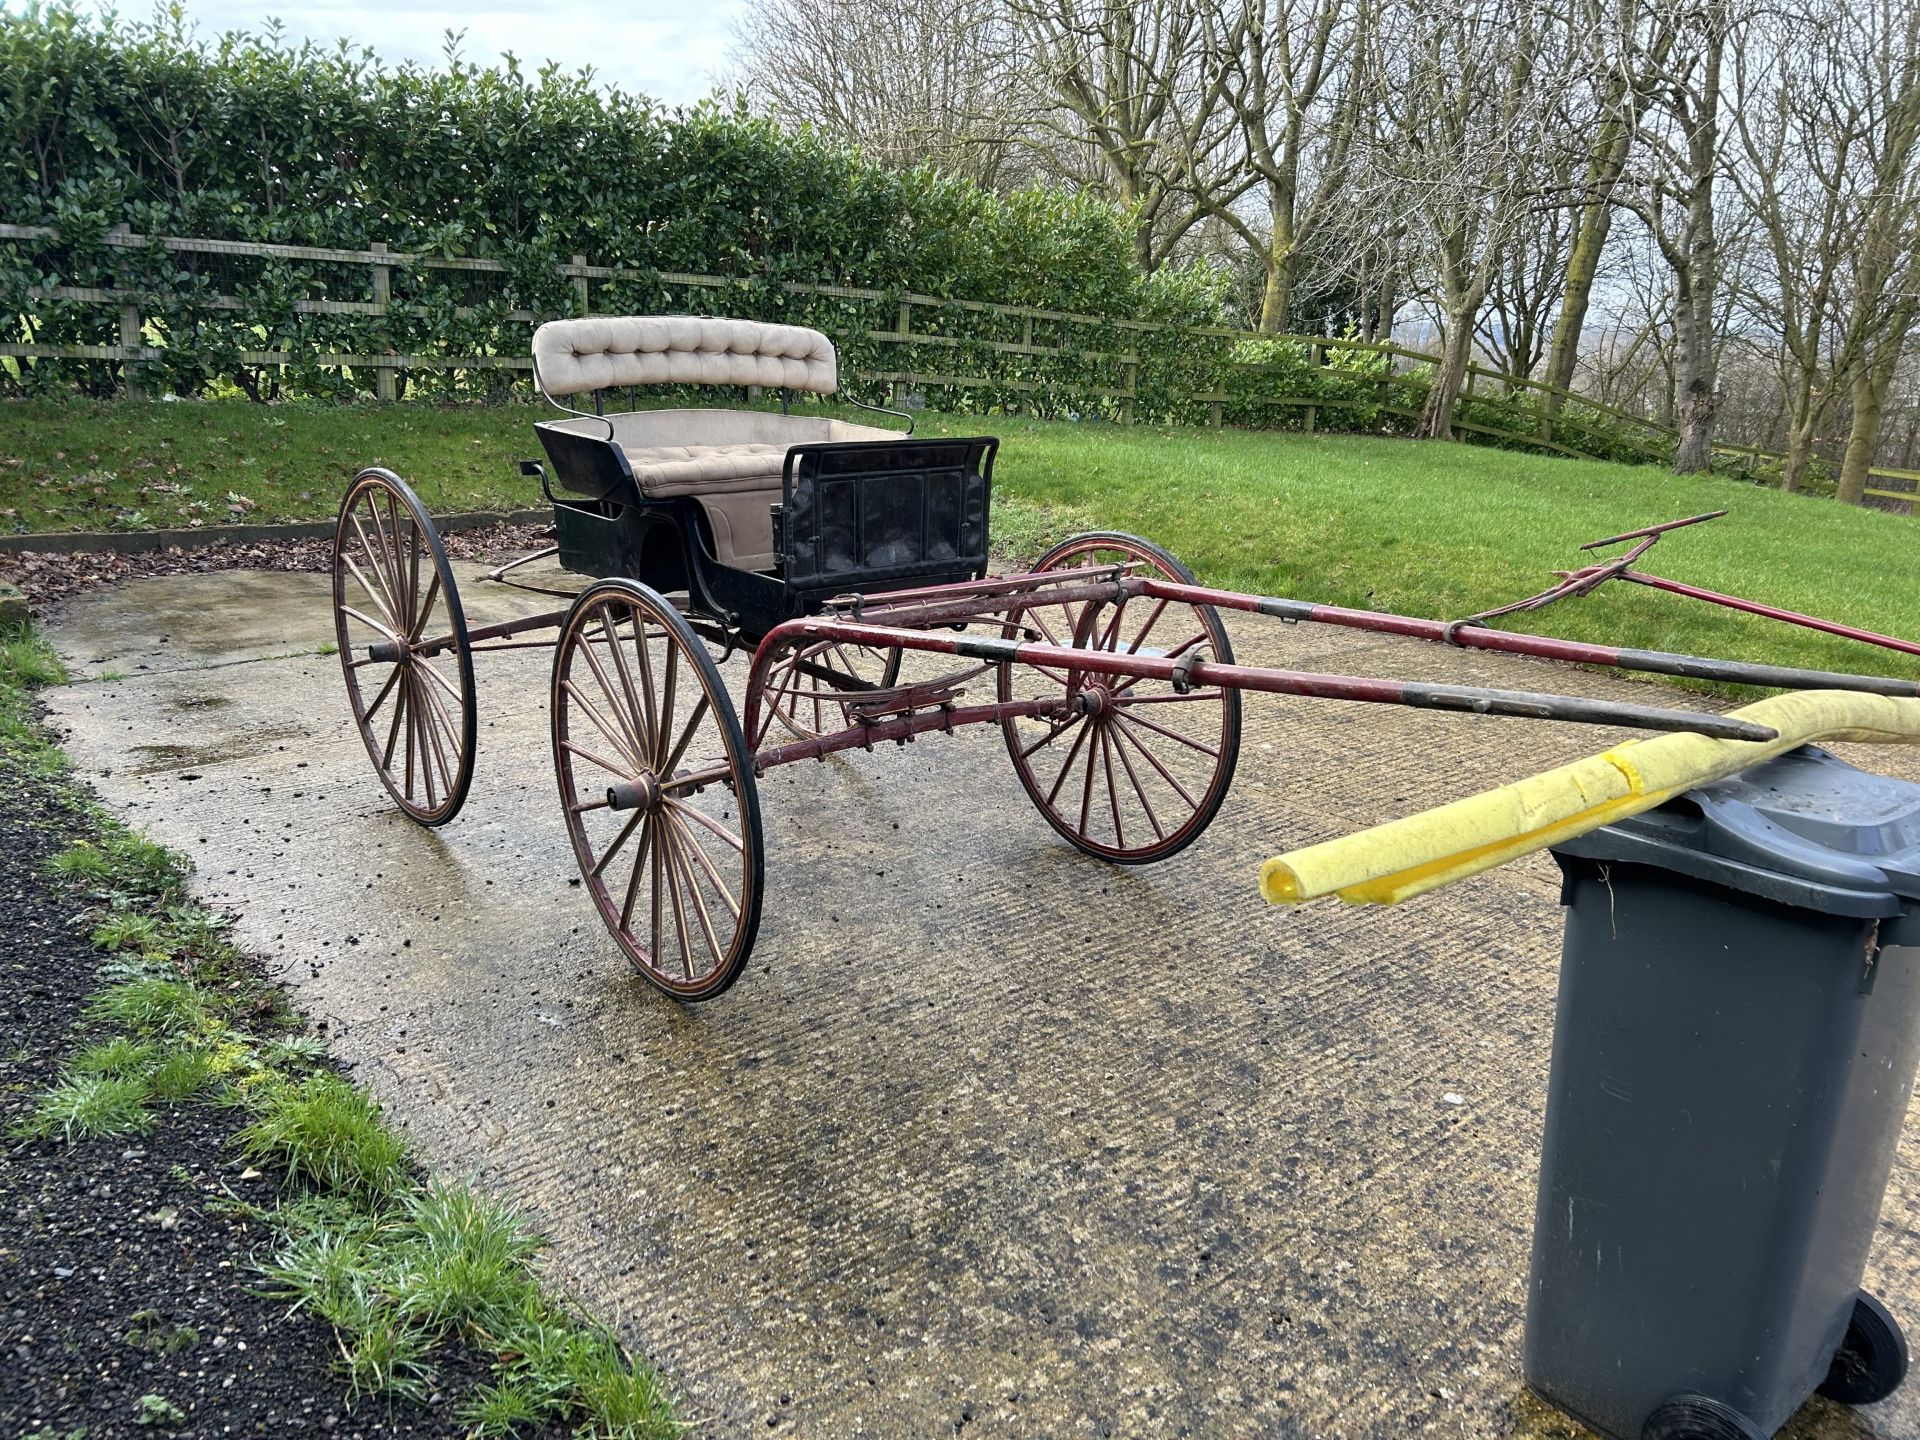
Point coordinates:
pixel 1409 857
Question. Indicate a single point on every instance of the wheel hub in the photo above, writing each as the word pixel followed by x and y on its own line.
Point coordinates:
pixel 643 792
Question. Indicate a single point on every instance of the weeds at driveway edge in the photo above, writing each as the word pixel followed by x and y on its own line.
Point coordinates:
pixel 400 1264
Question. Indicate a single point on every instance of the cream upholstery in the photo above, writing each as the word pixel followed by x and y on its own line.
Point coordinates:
pixel 604 351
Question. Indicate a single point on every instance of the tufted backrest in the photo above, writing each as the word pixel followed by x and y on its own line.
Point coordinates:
pixel 604 351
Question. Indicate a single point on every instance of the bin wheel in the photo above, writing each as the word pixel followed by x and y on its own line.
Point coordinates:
pixel 1872 1359
pixel 1696 1417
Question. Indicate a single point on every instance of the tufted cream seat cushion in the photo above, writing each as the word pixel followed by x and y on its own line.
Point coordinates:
pixel 600 352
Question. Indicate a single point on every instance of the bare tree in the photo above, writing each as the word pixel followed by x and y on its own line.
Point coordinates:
pixel 1460 145
pixel 1681 156
pixel 1883 279
pixel 938 81
pixel 1293 88
pixel 1130 87
pixel 1528 282
pixel 1618 48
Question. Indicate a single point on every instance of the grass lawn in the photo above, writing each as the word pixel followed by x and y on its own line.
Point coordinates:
pixel 1421 528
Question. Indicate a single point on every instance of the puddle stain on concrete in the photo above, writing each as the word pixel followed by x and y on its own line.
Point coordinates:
pixel 257 740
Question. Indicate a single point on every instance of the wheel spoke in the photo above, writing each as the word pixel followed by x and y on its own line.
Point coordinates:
pixel 694 848
pixel 1133 778
pixel 641 859
pixel 399 714
pixel 700 818
pixel 1052 735
pixel 701 914
pixel 1113 793
pixel 1154 760
pixel 383 559
pixel 380 698
pixel 1086 790
pixel 428 669
pixel 1175 735
pixel 666 707
pixel 606 727
pixel 366 619
pixel 657 900
pixel 634 746
pixel 626 679
pixel 384 598
pixel 372 594
pixel 679 911
pixel 426 610
pixel 686 736
pixel 1159 609
pixel 618 840
pixel 643 648
pixel 1067 764
pixel 625 772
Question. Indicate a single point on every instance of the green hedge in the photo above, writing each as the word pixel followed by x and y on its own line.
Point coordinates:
pixel 110 122
pixel 114 123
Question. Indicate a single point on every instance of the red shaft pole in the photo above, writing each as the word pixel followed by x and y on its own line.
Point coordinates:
pixel 1774 612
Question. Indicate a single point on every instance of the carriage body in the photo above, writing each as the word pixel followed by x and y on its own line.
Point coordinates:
pixel 756 517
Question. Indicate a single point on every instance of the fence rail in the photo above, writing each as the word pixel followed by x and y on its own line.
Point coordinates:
pixel 1235 383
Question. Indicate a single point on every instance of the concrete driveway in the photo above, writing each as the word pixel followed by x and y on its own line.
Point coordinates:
pixel 991 1139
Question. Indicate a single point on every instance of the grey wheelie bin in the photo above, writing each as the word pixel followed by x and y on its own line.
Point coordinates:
pixel 1734 1045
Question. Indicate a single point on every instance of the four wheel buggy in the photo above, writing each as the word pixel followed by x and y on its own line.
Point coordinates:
pixel 852 561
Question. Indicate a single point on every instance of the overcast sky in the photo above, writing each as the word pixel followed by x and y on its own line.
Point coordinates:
pixel 673 50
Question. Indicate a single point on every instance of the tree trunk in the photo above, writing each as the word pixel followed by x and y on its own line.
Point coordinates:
pixel 1380 315
pixel 1868 391
pixel 1801 420
pixel 1695 382
pixel 1279 290
pixel 1583 262
pixel 1443 392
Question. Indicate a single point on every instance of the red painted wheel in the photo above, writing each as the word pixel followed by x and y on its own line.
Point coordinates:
pixel 1140 769
pixel 806 689
pixel 658 789
pixel 403 646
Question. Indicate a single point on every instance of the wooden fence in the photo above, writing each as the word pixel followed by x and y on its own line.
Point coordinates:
pixel 1239 386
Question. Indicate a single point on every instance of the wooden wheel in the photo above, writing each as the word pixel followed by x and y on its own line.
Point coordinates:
pixel 1138 770
pixel 403 646
pixel 807 688
pixel 658 789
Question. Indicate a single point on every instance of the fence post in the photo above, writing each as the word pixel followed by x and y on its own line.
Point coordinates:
pixel 1132 372
pixel 1315 359
pixel 131 348
pixel 1216 415
pixel 383 297
pixel 903 326
pixel 580 303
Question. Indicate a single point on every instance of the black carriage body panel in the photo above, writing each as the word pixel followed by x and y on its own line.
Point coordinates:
pixel 874 515
pixel 854 516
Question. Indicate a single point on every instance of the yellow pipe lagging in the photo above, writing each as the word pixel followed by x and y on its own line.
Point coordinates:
pixel 1409 857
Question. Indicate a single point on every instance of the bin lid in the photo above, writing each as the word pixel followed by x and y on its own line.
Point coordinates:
pixel 1803 829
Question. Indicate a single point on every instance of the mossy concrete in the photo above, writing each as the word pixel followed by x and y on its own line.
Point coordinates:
pixel 991 1138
